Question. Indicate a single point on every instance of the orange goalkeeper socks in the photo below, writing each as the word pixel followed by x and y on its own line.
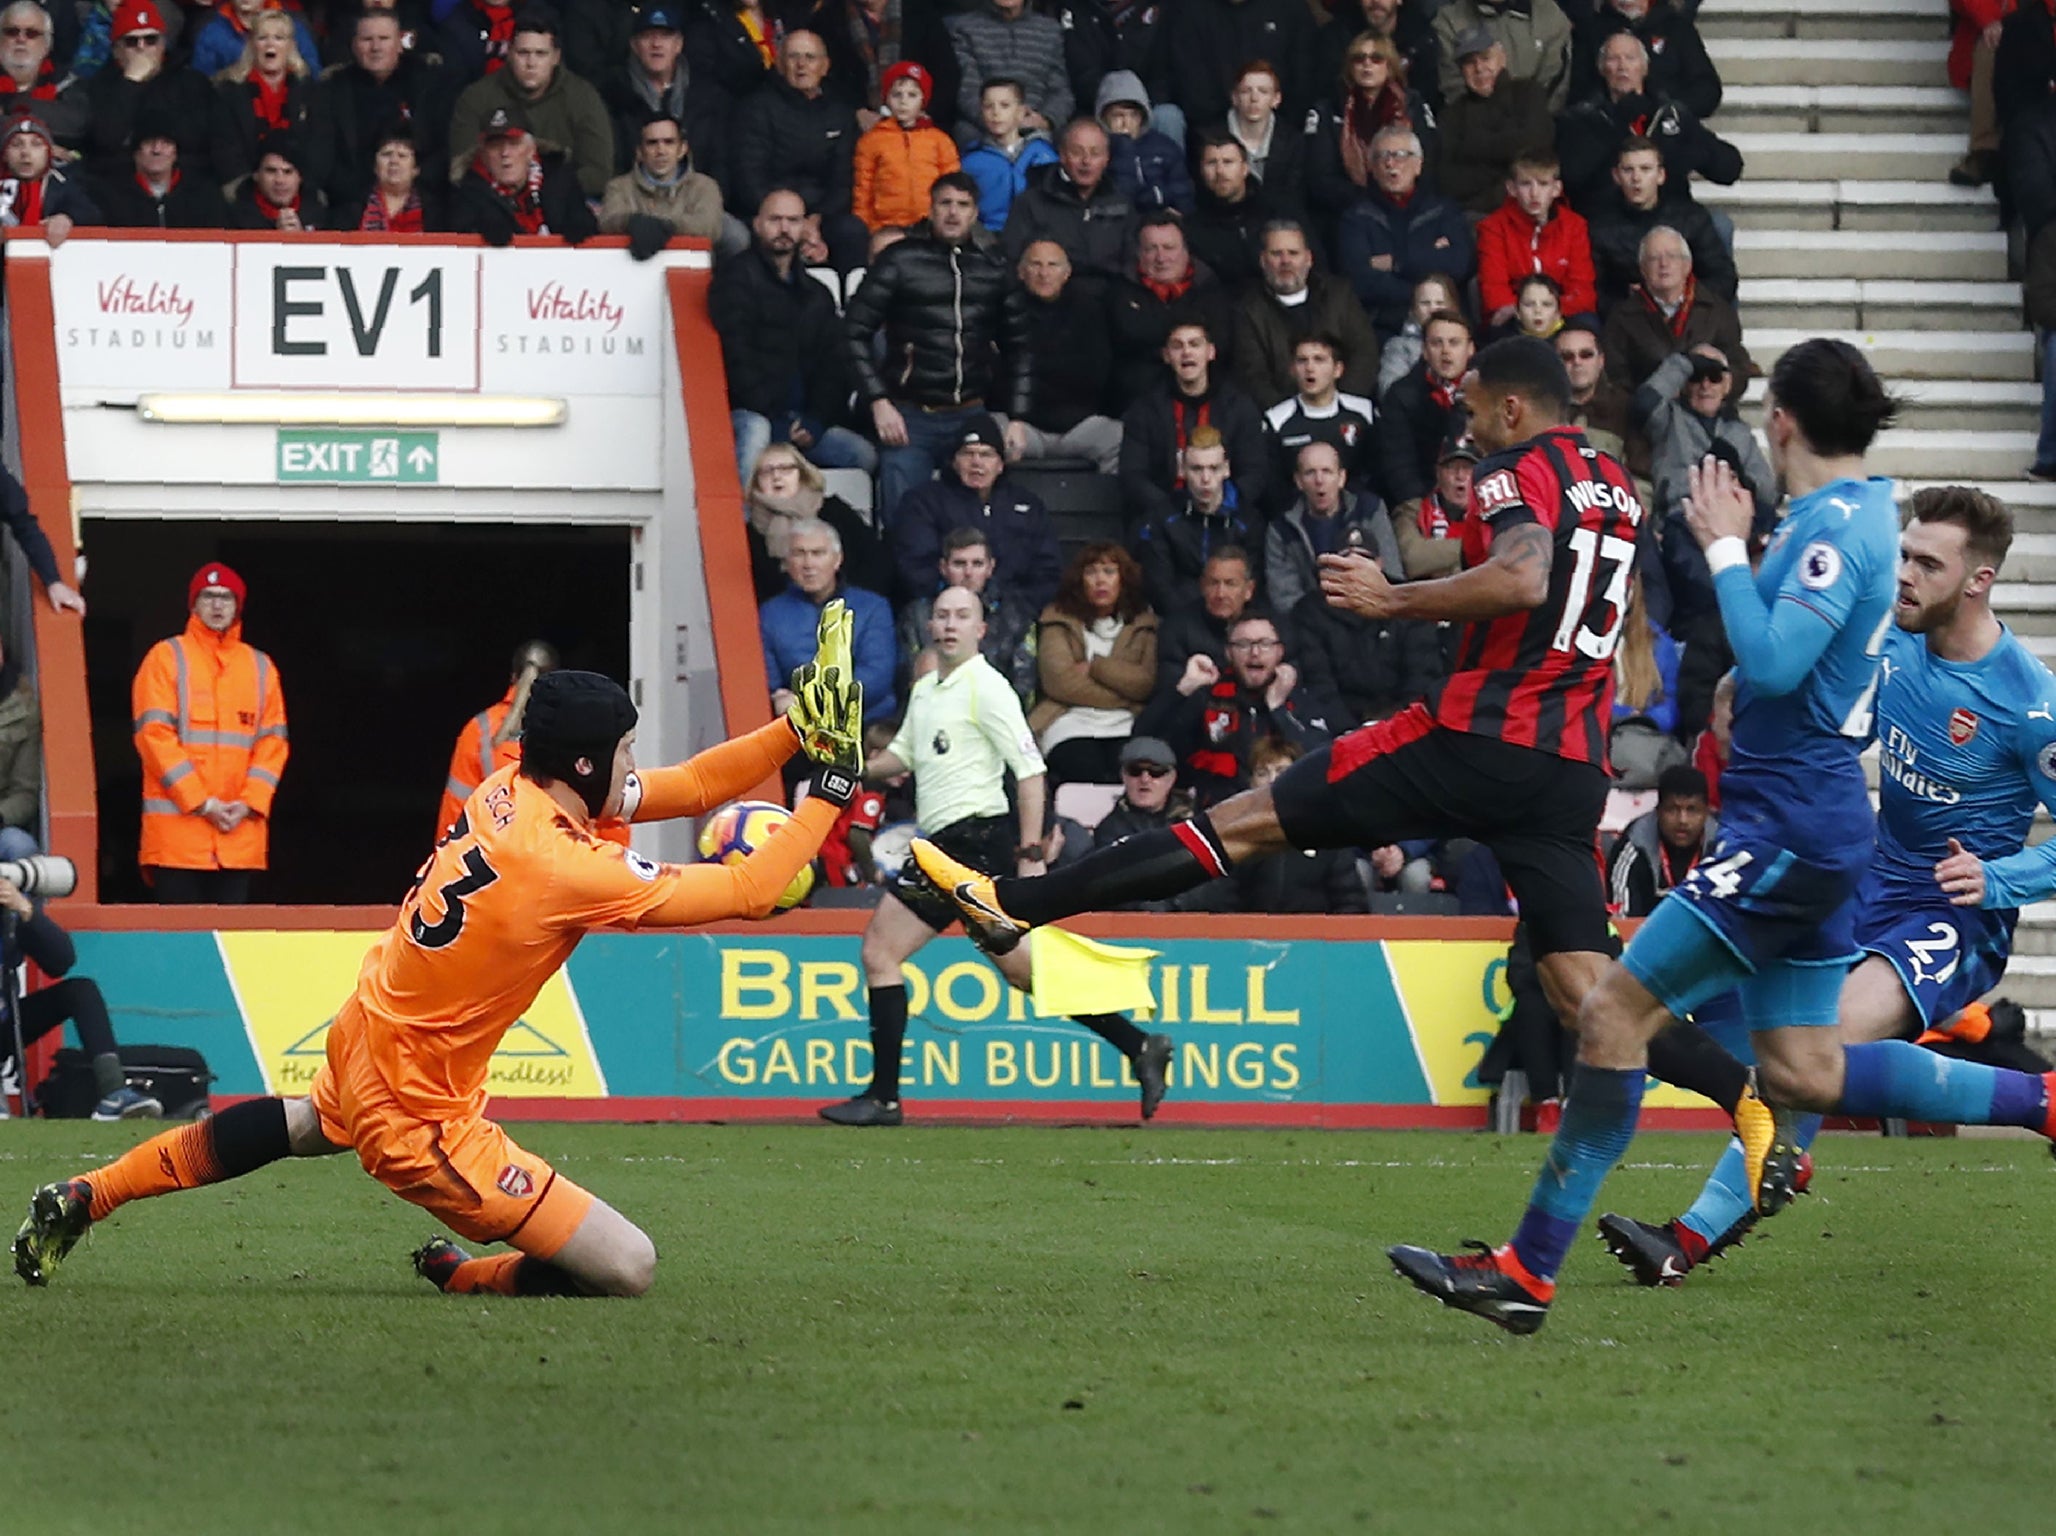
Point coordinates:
pixel 240 1139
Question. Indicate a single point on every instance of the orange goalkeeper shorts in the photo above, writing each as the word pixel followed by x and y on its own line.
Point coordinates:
pixel 467 1172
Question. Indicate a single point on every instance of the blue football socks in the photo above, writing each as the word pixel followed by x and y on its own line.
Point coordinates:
pixel 1599 1117
pixel 1895 1079
pixel 1725 1198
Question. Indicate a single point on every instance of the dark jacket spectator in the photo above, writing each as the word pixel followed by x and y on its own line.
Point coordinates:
pixel 1173 548
pixel 472 36
pixel 1140 317
pixel 1374 667
pixel 1481 135
pixel 1223 235
pixel 1427 234
pixel 781 340
pixel 1639 336
pixel 1092 226
pixel 21 748
pixel 1148 166
pixel 554 206
pixel 1589 139
pixel 1333 166
pixel 1410 431
pixel 720 52
pixel 1214 39
pixel 949 314
pixel 1267 329
pixel 1007 39
pixel 1297 539
pixel 1617 232
pixel 1154 431
pixel 704 111
pixel 1071 356
pixel 1536 35
pixel 246 124
pixel 176 100
pixel 784 139
pixel 2030 161
pixel 56 196
pixel 1644 867
pixel 356 106
pixel 1679 68
pixel 2024 66
pixel 186 201
pixel 249 209
pixel 1099 40
pixel 1017 527
pixel 1214 726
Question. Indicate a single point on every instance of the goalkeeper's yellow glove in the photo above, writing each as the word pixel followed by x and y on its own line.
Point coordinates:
pixel 828 705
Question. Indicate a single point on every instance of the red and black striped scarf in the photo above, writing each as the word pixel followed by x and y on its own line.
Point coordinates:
pixel 23 200
pixel 1183 427
pixel 268 102
pixel 526 204
pixel 408 221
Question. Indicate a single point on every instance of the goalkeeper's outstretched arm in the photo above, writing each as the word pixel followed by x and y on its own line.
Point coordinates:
pixel 717 775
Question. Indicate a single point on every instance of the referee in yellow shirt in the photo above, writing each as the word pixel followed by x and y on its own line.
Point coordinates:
pixel 963 731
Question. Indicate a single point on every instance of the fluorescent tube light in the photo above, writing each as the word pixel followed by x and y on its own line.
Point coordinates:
pixel 281 408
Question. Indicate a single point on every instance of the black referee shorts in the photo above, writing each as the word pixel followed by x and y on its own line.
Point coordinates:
pixel 1409 778
pixel 986 843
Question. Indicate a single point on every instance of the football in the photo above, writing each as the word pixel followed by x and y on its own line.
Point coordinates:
pixel 739 829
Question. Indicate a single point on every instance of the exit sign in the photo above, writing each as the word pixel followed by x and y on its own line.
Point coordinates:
pixel 366 458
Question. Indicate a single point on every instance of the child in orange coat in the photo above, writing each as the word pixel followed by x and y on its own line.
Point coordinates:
pixel 900 158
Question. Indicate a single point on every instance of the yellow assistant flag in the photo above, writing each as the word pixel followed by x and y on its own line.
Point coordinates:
pixel 1074 975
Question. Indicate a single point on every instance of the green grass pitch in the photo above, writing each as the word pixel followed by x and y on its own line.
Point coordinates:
pixel 1039 1330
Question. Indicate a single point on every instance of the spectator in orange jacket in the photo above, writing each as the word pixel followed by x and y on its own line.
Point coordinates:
pixel 491 739
pixel 1533 231
pixel 210 722
pixel 899 159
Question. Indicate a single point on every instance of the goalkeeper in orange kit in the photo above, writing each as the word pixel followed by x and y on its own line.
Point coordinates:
pixel 537 859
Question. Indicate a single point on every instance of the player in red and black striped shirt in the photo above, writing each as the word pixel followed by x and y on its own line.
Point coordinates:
pixel 1511 752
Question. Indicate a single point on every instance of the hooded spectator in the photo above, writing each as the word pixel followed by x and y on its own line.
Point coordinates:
pixel 1100 38
pixel 1148 166
pixel 156 192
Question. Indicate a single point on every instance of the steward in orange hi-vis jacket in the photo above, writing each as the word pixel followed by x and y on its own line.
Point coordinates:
pixel 528 868
pixel 491 739
pixel 210 725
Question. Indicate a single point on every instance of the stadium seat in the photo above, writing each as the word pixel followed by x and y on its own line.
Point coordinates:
pixel 853 486
pixel 1087 804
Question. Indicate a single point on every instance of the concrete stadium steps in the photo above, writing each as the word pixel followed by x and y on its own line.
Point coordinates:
pixel 1909 355
pixel 1966 456
pixel 1834 60
pixel 1946 255
pixel 1848 303
pixel 1917 19
pixel 1755 203
pixel 1842 109
pixel 1867 156
pixel 1944 405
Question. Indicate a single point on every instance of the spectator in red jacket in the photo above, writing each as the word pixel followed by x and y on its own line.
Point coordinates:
pixel 1534 231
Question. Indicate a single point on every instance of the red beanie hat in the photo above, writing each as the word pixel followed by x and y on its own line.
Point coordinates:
pixel 907 69
pixel 136 16
pixel 215 574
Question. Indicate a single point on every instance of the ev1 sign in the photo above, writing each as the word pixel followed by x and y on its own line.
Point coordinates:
pixel 329 318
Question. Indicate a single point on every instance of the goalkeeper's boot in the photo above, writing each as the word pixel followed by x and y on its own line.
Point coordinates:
pixel 437 1259
pixel 1770 1150
pixel 59 1215
pixel 1490 1282
pixel 972 894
